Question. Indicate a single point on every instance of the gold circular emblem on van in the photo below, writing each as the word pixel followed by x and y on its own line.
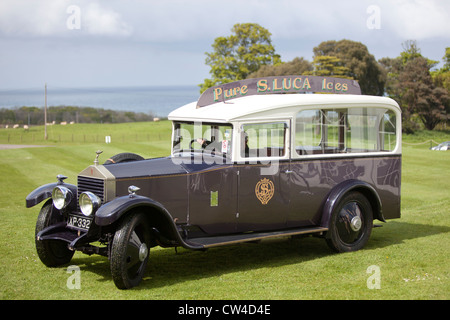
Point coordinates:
pixel 264 190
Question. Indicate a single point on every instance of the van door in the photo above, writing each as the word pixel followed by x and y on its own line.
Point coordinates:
pixel 213 199
pixel 263 180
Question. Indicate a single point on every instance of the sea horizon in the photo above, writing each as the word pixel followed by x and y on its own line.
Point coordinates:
pixel 156 100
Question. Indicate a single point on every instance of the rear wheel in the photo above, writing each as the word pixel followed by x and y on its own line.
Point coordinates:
pixel 129 251
pixel 52 253
pixel 351 223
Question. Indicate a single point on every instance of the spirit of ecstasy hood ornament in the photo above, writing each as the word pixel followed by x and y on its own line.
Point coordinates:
pixel 96 157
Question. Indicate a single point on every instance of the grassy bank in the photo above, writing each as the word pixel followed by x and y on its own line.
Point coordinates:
pixel 411 253
pixel 88 133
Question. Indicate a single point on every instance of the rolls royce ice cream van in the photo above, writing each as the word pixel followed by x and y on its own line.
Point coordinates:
pixel 250 160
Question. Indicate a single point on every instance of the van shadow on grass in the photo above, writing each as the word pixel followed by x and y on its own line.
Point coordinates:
pixel 396 232
pixel 167 267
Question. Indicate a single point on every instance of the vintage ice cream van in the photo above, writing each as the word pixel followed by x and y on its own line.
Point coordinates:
pixel 250 160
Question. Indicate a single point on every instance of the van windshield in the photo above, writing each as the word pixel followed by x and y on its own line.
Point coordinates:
pixel 214 138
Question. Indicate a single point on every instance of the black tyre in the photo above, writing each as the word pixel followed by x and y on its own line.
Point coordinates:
pixel 52 253
pixel 351 223
pixel 130 250
pixel 124 157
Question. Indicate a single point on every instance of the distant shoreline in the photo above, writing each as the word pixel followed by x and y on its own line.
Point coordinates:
pixel 157 100
pixel 68 115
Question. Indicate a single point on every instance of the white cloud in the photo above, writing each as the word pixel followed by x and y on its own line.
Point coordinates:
pixel 185 20
pixel 47 18
pixel 26 18
pixel 417 19
pixel 141 40
pixel 104 21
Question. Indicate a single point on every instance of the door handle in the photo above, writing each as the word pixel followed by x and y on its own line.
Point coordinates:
pixel 287 171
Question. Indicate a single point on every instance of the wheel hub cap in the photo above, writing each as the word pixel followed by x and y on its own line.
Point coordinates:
pixel 143 252
pixel 355 223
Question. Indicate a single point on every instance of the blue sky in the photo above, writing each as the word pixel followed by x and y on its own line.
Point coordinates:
pixel 81 43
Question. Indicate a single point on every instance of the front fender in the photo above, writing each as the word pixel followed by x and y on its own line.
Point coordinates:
pixel 341 189
pixel 112 211
pixel 44 192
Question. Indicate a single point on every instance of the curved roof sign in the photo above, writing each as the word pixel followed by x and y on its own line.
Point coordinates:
pixel 279 84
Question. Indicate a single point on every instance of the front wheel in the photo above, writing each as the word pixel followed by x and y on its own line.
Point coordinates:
pixel 52 253
pixel 129 251
pixel 351 223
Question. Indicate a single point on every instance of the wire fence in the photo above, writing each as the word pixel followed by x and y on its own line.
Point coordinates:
pixel 431 141
pixel 23 136
pixel 12 138
pixel 33 138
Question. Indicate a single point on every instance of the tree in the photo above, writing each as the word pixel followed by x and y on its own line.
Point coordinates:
pixel 392 67
pixel 410 51
pixel 421 95
pixel 409 82
pixel 296 66
pixel 441 77
pixel 329 66
pixel 360 64
pixel 243 52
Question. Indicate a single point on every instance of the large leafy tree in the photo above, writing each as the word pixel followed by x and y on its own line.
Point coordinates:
pixel 421 95
pixel 330 66
pixel 394 66
pixel 355 62
pixel 297 66
pixel 243 52
pixel 410 83
pixel 441 77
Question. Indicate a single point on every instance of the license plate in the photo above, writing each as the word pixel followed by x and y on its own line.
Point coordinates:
pixel 79 222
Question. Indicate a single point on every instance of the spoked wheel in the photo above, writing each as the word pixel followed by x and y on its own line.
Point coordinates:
pixel 129 251
pixel 52 253
pixel 351 223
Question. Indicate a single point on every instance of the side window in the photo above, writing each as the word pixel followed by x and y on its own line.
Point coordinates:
pixel 387 131
pixel 308 131
pixel 362 130
pixel 263 140
pixel 347 130
pixel 371 130
pixel 320 131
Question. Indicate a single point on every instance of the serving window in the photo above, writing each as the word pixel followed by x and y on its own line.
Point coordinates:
pixel 346 130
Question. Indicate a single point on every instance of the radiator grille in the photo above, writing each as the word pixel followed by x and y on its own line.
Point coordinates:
pixel 94 185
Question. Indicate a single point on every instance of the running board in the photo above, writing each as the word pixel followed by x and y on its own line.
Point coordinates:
pixel 209 242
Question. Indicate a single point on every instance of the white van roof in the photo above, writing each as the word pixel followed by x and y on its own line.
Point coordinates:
pixel 270 106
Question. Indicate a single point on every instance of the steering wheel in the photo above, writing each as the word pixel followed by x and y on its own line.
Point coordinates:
pixel 192 141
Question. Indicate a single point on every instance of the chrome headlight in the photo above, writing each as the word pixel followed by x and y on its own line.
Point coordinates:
pixel 61 197
pixel 89 203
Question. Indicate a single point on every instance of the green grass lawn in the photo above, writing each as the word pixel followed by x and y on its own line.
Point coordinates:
pixel 411 253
